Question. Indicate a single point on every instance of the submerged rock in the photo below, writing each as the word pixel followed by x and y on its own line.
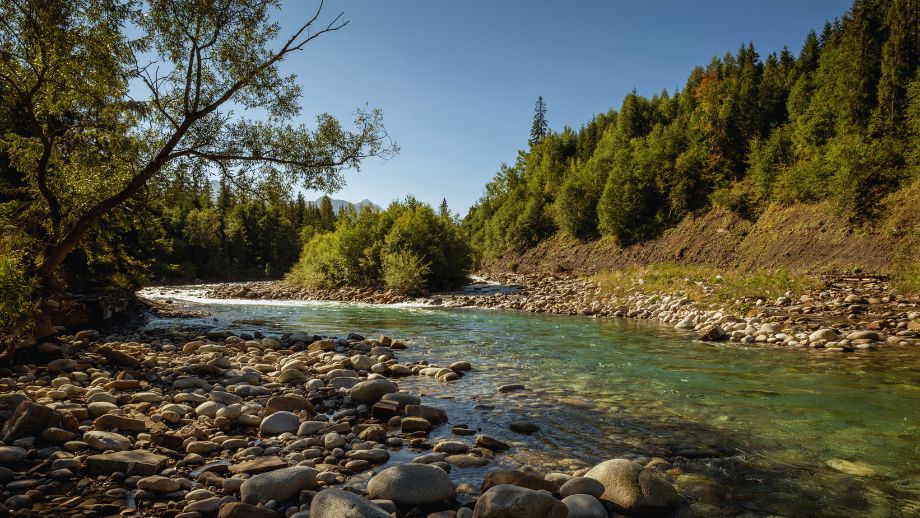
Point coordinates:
pixel 633 488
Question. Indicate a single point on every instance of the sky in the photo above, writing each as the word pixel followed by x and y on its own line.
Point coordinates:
pixel 457 81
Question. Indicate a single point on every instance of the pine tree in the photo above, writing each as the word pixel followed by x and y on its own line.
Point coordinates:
pixel 540 128
pixel 326 214
pixel 899 60
pixel 443 210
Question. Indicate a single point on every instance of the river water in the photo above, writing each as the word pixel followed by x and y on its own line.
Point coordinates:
pixel 757 431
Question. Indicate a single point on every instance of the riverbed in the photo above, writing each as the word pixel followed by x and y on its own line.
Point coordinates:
pixel 802 433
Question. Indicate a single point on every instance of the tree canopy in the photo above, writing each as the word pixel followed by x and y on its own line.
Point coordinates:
pixel 839 121
pixel 102 98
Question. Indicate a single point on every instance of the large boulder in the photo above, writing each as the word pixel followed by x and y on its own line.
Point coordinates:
pixel 517 478
pixel 241 510
pixel 29 419
pixel 412 484
pixel 372 390
pixel 278 485
pixel 279 422
pixel 507 501
pixel 634 489
pixel 336 503
pixel 584 506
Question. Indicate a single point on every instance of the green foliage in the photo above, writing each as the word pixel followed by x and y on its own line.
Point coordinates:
pixel 106 101
pixel 405 272
pixel 320 263
pixel 408 247
pixel 841 121
pixel 18 302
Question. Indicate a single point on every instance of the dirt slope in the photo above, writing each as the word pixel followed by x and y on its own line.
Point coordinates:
pixel 804 238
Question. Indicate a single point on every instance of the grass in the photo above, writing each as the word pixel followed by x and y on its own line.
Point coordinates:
pixel 906 277
pixel 703 283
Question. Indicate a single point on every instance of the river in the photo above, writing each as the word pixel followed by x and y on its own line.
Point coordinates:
pixel 757 431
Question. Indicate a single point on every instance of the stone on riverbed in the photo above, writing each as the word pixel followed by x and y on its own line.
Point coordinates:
pixel 278 423
pixel 159 484
pixel 241 510
pixel 712 333
pixel 524 427
pixel 584 506
pixel 119 357
pixel 412 484
pixel 12 454
pixel 823 334
pixel 336 503
pixel 372 390
pixel 507 501
pixel 582 486
pixel 104 441
pixel 633 488
pixel 29 419
pixel 136 462
pixel 278 485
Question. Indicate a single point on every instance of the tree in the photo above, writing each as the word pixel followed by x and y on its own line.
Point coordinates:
pixel 326 214
pixel 88 145
pixel 540 128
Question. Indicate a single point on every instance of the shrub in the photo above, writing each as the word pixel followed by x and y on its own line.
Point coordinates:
pixel 405 272
pixel 320 264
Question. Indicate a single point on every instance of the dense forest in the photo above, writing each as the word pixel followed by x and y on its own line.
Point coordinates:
pixel 840 121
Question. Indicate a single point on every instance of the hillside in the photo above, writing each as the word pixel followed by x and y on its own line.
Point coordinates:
pixel 807 161
pixel 801 238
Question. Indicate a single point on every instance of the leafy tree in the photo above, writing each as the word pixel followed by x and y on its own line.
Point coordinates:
pixel 88 145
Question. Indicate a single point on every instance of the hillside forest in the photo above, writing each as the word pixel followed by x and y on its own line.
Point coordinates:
pixel 99 189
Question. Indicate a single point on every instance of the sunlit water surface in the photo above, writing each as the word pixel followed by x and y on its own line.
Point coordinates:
pixel 758 431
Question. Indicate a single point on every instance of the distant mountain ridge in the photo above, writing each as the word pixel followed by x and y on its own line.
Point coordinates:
pixel 338 205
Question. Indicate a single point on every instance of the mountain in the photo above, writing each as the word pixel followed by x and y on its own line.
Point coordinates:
pixel 338 205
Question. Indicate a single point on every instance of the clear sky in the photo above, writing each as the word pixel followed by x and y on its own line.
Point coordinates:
pixel 457 80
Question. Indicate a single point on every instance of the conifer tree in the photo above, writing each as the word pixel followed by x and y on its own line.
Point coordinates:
pixel 540 127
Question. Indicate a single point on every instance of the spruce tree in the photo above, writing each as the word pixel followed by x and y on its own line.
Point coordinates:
pixel 540 128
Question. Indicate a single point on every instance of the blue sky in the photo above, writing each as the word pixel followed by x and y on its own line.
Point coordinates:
pixel 457 80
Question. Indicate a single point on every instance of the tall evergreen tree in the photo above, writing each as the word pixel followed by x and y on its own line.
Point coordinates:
pixel 899 61
pixel 540 127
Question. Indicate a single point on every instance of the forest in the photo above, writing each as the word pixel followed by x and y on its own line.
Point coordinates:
pixel 840 120
pixel 99 188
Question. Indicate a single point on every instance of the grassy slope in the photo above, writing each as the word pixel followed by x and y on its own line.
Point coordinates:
pixel 802 239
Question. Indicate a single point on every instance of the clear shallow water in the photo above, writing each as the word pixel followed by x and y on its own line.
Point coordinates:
pixel 757 431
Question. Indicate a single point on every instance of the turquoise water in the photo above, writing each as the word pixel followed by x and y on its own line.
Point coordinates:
pixel 755 431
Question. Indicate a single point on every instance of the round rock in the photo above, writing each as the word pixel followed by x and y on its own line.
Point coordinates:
pixel 635 489
pixel 372 390
pixel 278 423
pixel 412 484
pixel 336 503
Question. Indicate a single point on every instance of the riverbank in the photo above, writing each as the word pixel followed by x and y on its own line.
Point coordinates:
pixel 188 424
pixel 837 314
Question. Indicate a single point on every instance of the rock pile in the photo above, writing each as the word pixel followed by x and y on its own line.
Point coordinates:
pixel 191 426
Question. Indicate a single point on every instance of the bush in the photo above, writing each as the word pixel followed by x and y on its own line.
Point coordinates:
pixel 19 300
pixel 320 264
pixel 576 207
pixel 405 272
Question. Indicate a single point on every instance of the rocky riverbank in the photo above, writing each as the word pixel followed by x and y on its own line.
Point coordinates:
pixel 846 314
pixel 183 424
